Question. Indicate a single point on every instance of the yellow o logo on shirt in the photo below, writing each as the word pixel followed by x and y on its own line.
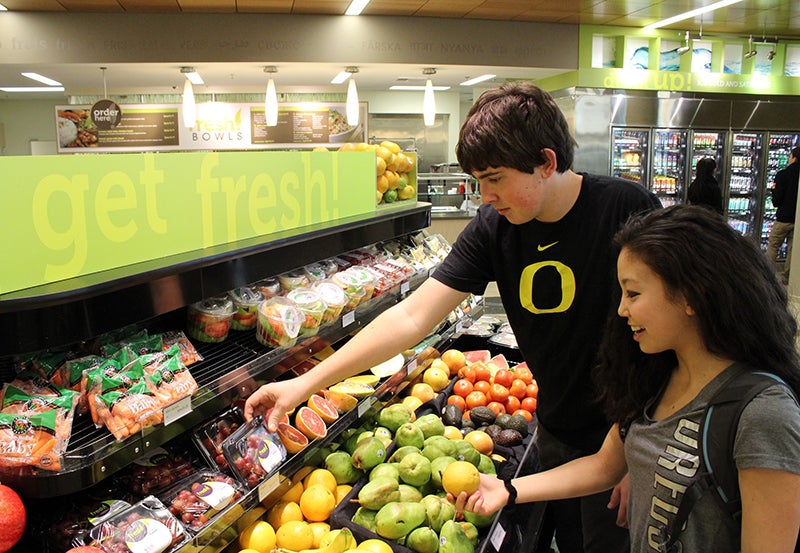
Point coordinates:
pixel 567 287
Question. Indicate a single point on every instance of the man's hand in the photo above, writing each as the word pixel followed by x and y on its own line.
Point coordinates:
pixel 279 396
pixel 619 498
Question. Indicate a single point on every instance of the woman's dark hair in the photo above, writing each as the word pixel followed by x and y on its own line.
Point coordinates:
pixel 509 126
pixel 741 307
pixel 704 170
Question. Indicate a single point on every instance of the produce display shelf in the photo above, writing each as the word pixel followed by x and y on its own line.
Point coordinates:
pixel 81 308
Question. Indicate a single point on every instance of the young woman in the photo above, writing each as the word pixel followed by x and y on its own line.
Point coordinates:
pixel 705 189
pixel 694 313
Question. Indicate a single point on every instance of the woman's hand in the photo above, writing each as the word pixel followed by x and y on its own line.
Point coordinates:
pixel 490 497
pixel 281 397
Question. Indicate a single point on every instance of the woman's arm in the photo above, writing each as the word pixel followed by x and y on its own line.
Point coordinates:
pixel 770 510
pixel 584 476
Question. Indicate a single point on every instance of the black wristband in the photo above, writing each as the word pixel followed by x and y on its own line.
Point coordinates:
pixel 512 492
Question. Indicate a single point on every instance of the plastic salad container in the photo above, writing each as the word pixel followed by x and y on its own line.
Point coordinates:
pixel 268 287
pixel 367 280
pixel 315 272
pixel 245 302
pixel 279 321
pixel 293 279
pixel 312 306
pixel 349 282
pixel 334 297
pixel 210 319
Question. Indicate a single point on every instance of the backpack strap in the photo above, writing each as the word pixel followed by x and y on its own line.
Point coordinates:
pixel 717 469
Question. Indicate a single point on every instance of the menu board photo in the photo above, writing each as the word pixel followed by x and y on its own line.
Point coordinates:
pixel 218 126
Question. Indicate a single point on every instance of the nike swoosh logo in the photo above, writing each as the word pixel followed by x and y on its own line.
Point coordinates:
pixel 543 248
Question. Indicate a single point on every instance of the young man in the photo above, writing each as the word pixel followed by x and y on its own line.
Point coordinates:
pixel 544 234
pixel 784 198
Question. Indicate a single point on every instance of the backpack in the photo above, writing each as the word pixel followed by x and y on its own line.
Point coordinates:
pixel 717 472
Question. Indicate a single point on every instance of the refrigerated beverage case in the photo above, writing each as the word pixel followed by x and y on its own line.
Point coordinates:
pixel 744 183
pixel 669 166
pixel 629 154
pixel 779 145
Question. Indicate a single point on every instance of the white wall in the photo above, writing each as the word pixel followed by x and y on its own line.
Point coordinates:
pixel 26 120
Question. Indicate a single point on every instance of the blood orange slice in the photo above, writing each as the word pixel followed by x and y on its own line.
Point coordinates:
pixel 323 408
pixel 310 424
pixel 293 440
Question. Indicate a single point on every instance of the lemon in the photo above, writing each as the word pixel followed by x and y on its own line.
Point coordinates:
pixel 259 536
pixel 283 512
pixel 380 164
pixel 373 545
pixel 295 535
pixel 320 530
pixel 407 192
pixel 293 493
pixel 460 476
pixel 436 377
pixel 322 477
pixel 341 492
pixel 391 146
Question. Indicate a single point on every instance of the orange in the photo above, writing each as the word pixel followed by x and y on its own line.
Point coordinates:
pixel 295 535
pixel 322 477
pixel 453 433
pixel 341 492
pixel 324 408
pixel 458 401
pixel 481 441
pixel 454 359
pixel 317 503
pixel 460 476
pixel 283 512
pixel 436 377
pixel 259 536
pixel 310 423
pixel 423 391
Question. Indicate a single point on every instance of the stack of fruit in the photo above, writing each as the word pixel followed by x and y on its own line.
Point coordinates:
pixel 395 170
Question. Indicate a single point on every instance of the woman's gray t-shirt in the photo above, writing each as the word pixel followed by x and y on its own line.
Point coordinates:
pixel 662 462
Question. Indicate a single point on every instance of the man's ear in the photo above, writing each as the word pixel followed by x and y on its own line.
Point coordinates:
pixel 548 167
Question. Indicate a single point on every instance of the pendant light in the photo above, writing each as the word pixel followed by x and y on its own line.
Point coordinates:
pixel 189 109
pixel 428 100
pixel 351 106
pixel 685 48
pixel 271 98
pixel 750 50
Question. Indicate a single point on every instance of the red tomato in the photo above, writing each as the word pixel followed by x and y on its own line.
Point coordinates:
pixel 504 377
pixel 517 388
pixel 523 373
pixel 467 373
pixel 475 399
pixel 527 414
pixel 498 392
pixel 529 404
pixel 482 386
pixel 462 387
pixel 497 407
pixel 482 372
pixel 457 401
pixel 532 390
pixel 512 404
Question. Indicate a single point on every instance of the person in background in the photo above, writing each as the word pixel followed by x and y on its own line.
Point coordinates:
pixel 784 198
pixel 705 189
pixel 692 314
pixel 544 235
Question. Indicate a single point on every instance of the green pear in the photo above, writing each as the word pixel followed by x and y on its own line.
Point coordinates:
pixel 415 469
pixel 465 451
pixel 433 506
pixel 453 539
pixel 480 521
pixel 384 434
pixel 369 453
pixel 385 469
pixel 410 493
pixel 340 464
pixel 486 465
pixel 471 531
pixel 409 434
pixel 395 520
pixel 437 468
pixel 423 540
pixel 430 424
pixel 394 416
pixel 378 492
pixel 399 453
pixel 366 518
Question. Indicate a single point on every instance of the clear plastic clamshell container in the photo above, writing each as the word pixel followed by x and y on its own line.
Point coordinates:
pixel 245 303
pixel 293 279
pixel 312 306
pixel 279 321
pixel 334 297
pixel 209 320
pixel 347 281
pixel 145 527
pixel 197 499
pixel 253 452
pixel 366 279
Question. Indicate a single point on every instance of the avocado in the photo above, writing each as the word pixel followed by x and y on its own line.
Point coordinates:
pixel 493 430
pixel 502 420
pixel 518 423
pixel 508 438
pixel 452 415
pixel 482 416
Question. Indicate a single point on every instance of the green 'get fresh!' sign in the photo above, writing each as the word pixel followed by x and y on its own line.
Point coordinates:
pixel 68 216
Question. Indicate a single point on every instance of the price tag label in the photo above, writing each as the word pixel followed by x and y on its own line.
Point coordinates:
pixel 498 535
pixel 348 318
pixel 404 287
pixel 268 486
pixel 412 366
pixel 364 406
pixel 178 409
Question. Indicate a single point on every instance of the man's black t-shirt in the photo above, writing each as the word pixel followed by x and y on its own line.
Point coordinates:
pixel 555 281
